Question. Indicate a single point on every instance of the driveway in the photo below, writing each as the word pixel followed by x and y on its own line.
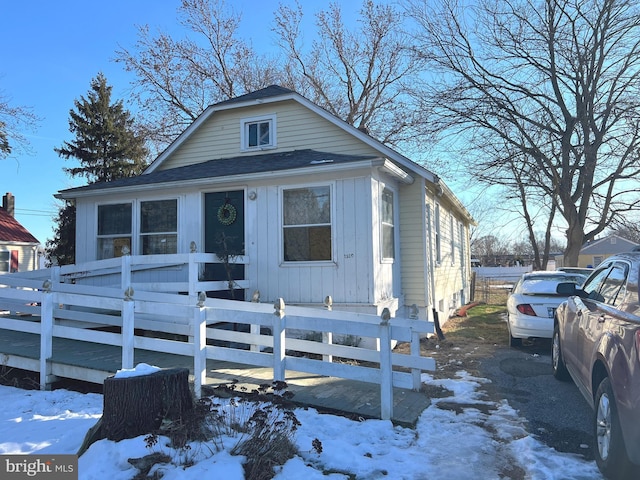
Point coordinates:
pixel 556 412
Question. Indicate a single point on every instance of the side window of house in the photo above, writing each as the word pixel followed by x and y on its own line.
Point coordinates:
pixel 114 229
pixel 258 133
pixel 437 234
pixel 306 229
pixel 5 261
pixel 461 239
pixel 386 219
pixel 159 227
pixel 452 240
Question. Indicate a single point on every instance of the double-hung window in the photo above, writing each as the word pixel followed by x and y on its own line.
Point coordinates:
pixel 155 228
pixel 452 240
pixel 159 227
pixel 307 224
pixel 5 261
pixel 438 235
pixel 386 218
pixel 258 132
pixel 114 229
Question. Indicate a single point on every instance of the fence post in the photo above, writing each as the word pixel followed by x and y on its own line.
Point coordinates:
pixel 386 372
pixel 254 329
pixel 327 337
pixel 194 271
pixel 128 325
pixel 415 348
pixel 46 335
pixel 279 331
pixel 125 276
pixel 199 345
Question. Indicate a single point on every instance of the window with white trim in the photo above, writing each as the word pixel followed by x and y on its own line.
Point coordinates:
pixel 387 224
pixel 159 227
pixel 258 133
pixel 453 240
pixel 437 234
pixel 306 228
pixel 114 229
pixel 5 261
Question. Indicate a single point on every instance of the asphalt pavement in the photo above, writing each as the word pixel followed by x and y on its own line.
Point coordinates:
pixel 556 412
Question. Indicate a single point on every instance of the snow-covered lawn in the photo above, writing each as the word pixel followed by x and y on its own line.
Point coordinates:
pixel 485 440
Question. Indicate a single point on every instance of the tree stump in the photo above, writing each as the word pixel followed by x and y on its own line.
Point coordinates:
pixel 137 405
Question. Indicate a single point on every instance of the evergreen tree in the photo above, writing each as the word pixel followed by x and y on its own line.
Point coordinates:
pixel 62 248
pixel 106 144
pixel 107 147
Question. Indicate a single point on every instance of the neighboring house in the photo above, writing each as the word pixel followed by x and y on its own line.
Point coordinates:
pixel 594 252
pixel 317 207
pixel 18 248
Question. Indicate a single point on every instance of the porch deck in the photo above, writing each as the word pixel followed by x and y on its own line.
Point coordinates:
pixel 93 362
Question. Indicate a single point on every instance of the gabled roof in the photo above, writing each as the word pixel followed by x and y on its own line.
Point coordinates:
pixel 229 167
pixel 276 93
pixel 608 245
pixel 270 91
pixel 11 231
pixel 272 94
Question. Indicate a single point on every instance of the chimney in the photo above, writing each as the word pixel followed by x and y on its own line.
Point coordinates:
pixel 9 204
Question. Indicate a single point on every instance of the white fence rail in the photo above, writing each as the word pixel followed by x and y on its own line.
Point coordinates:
pixel 193 325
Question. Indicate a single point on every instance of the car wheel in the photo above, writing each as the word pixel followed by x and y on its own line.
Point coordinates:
pixel 557 360
pixel 513 342
pixel 609 450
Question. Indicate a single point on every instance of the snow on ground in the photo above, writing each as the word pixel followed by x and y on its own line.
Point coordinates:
pixel 484 440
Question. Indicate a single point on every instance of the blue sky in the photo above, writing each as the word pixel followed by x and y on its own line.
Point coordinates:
pixel 52 50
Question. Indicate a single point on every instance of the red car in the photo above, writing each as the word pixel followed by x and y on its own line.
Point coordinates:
pixel 596 342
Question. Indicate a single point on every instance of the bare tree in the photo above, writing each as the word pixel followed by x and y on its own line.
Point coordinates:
pixel 176 79
pixel 628 227
pixel 14 121
pixel 358 74
pixel 490 249
pixel 557 81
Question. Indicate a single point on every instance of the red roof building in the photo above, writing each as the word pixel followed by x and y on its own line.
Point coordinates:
pixel 18 248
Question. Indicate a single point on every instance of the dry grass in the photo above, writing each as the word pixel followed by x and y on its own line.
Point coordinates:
pixel 483 323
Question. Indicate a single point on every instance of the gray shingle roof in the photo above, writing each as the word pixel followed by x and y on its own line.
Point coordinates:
pixel 241 165
pixel 270 91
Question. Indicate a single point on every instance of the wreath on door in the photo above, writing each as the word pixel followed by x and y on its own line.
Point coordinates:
pixel 227 213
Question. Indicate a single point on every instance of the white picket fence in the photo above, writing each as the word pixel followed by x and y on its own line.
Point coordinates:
pixel 184 322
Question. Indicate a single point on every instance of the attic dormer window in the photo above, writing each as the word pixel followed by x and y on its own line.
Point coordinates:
pixel 258 132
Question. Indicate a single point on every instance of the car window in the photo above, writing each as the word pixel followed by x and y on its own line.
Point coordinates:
pixel 593 285
pixel 612 288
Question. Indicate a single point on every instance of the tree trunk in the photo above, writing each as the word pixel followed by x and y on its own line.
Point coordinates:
pixel 137 405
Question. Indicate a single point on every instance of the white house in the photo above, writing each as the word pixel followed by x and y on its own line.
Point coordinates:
pixel 18 248
pixel 313 206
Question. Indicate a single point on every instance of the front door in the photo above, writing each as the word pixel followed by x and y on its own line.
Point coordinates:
pixel 224 236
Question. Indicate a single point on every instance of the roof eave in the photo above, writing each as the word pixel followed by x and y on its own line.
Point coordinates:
pixel 228 179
